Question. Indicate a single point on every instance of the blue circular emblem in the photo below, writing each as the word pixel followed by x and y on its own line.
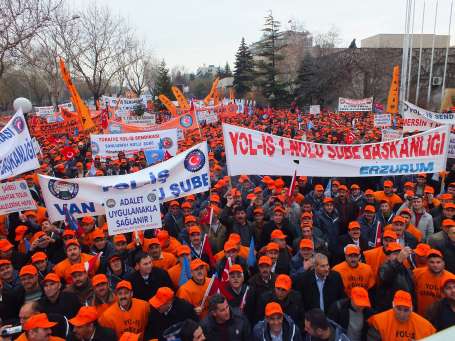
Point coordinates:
pixel 63 190
pixel 186 121
pixel 194 161
pixel 18 125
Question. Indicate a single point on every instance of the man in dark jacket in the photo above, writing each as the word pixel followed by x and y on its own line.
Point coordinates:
pixel 346 209
pixel 354 236
pixel 146 279
pixel 224 323
pixel 441 313
pixel 278 222
pixel 276 324
pixel 166 310
pixel 352 314
pixel 289 299
pixel 320 287
pixel 234 218
pixel 319 327
pixel 444 241
pixel 369 224
pixel 173 219
pixel 328 221
pixel 85 326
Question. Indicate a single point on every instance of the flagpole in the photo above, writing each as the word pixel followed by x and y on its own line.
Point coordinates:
pixel 408 89
pixel 420 56
pixel 447 54
pixel 404 60
pixel 432 55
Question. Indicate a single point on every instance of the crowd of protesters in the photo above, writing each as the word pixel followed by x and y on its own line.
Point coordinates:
pixel 338 259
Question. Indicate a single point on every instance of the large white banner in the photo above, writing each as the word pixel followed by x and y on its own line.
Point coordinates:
pixel 441 118
pixel 17 154
pixel 15 197
pixel 185 174
pixel 253 152
pixel 414 119
pixel 135 210
pixel 110 144
pixel 349 104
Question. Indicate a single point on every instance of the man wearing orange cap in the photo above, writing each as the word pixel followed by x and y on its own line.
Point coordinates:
pixel 173 219
pixel 420 218
pixel 235 219
pixel 428 281
pixel 30 290
pixel 73 256
pixel 289 299
pixel 262 281
pixel 406 214
pixel 38 328
pixel 237 288
pixel 303 260
pixel 86 328
pixel 403 237
pixel 165 311
pixel 394 275
pixel 447 211
pixel 88 226
pixel 278 223
pixel 57 301
pixel 327 221
pixel 101 244
pixel 352 272
pixel 276 325
pixel 369 224
pixel 146 279
pixel 316 196
pixel 128 314
pixel 346 209
pixel 441 313
pixel 400 322
pixel 103 297
pixel 354 236
pixel 168 243
pixel 80 283
pixel 161 259
pixel 231 254
pixel 388 195
pixel 195 289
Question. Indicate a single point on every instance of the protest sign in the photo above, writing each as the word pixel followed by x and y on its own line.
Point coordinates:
pixel 438 118
pixel 17 154
pixel 108 145
pixel 121 106
pixel 69 123
pixel 135 210
pixel 184 174
pixel 451 152
pixel 207 116
pixel 15 197
pixel 382 120
pixel 140 120
pixel 348 104
pixel 413 120
pixel 391 134
pixel 315 109
pixel 45 111
pixel 251 152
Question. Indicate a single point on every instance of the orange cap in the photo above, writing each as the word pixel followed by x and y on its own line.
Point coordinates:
pixel 389 234
pixel 258 210
pixel 70 242
pixel 353 225
pixel 306 244
pixel 87 220
pixel 399 219
pixel 196 263
pixel 98 233
pixel 79 267
pixel 119 238
pixel 342 188
pixel 153 241
pixel 38 321
pixel 123 285
pixel 265 260
pixel 272 247
pixel 39 257
pixel 85 315
pixel 393 247
pixel 190 219
pixel 5 245
pixel 99 279
pixel 429 189
pixel 194 229
pixel 448 223
pixel 359 296
pixel 273 308
pixel 235 268
pixel 174 203
pixel 402 298
pixel 20 231
pixel 68 232
pixel 183 250
pixel 127 336
pixel 355 186
pixel 388 183
pixel 327 200
pixel 28 270
pixel 434 253
pixel 406 211
pixel 162 235
pixel 449 278
pixel 163 296
pixel 235 238
pixel 283 282
pixel 5 262
pixel 351 249
pixel 186 204
pixel 370 208
pixel 229 245
pixel 277 234
pixel 318 188
pixel 422 249
pixel 51 277
pixel 369 192
pixel 279 208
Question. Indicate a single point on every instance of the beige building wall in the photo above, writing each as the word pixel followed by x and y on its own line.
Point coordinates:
pixel 396 41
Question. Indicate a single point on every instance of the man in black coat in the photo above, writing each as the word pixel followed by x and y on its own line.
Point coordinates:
pixel 319 287
pixel 146 279
pixel 85 326
pixel 354 236
pixel 166 310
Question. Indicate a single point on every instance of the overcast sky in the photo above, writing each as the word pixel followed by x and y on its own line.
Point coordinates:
pixel 196 32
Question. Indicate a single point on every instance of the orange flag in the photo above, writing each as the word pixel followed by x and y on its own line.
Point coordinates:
pixel 392 101
pixel 216 97
pixel 168 104
pixel 183 102
pixel 212 91
pixel 79 105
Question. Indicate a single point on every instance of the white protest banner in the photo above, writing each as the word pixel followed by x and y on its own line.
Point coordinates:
pixel 391 134
pixel 315 109
pixel 413 121
pixel 251 152
pixel 122 106
pixel 382 120
pixel 451 153
pixel 68 106
pixel 36 146
pixel 140 120
pixel 349 104
pixel 207 116
pixel 17 154
pixel 44 111
pixel 184 174
pixel 108 145
pixel 440 118
pixel 135 210
pixel 15 196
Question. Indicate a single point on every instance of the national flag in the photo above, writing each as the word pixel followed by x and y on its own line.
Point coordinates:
pixel 350 137
pixel 207 249
pixel 292 187
pixel 378 235
pixel 68 152
pixel 185 273
pixel 92 265
pixel 223 283
pixel 251 260
pixel 104 117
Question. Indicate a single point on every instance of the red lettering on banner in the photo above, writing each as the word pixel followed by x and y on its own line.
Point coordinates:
pixel 270 145
pixel 281 144
pixel 253 151
pixel 404 152
pixel 441 145
pixel 332 152
pixel 234 138
pixel 393 150
pixel 243 146
pixel 376 152
pixel 434 147
pixel 294 147
pixel 366 152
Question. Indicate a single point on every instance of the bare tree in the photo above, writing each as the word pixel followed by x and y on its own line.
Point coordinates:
pixel 327 40
pixel 20 21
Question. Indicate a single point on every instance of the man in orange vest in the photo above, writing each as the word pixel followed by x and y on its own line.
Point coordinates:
pixel 400 322
pixel 38 328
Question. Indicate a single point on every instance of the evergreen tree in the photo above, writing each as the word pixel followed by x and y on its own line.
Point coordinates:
pixel 244 69
pixel 163 83
pixel 307 81
pixel 227 70
pixel 269 48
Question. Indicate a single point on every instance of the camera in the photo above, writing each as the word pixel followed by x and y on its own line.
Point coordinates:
pixel 12 330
